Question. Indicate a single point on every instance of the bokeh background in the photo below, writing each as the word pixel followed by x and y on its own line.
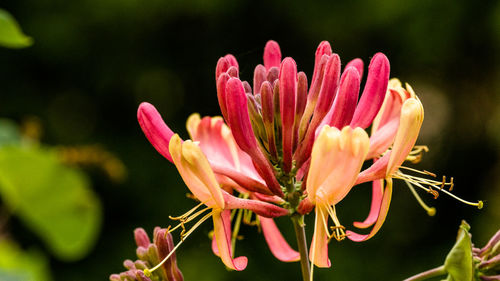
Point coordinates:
pixel 94 61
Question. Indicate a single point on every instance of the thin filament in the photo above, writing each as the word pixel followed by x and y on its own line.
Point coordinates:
pixel 148 272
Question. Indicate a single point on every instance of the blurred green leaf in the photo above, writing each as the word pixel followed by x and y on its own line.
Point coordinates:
pixel 458 263
pixel 11 35
pixel 54 200
pixel 18 265
pixel 9 132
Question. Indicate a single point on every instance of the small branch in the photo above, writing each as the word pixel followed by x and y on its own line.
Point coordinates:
pixel 301 242
pixel 428 274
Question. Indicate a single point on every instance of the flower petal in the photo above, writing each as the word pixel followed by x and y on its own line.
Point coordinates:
pixel 412 116
pixel 222 233
pixel 336 160
pixel 157 132
pixel 276 242
pixel 384 209
pixel 377 193
pixel 196 172
pixel 318 254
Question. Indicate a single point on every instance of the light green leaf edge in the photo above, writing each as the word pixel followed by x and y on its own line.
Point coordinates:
pixel 11 35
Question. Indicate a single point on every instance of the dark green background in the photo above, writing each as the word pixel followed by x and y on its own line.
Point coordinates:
pixel 94 61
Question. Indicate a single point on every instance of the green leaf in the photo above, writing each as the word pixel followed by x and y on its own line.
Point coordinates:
pixel 9 133
pixel 11 35
pixel 459 263
pixel 54 200
pixel 18 265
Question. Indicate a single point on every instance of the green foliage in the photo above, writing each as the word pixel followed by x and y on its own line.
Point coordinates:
pixel 9 133
pixel 11 35
pixel 18 265
pixel 54 200
pixel 458 263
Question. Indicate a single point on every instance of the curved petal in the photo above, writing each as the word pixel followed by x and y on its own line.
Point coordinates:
pixel 384 209
pixel 222 233
pixel 318 254
pixel 336 160
pixel 376 171
pixel 196 172
pixel 225 157
pixel 377 194
pixel 412 116
pixel 157 132
pixel 276 242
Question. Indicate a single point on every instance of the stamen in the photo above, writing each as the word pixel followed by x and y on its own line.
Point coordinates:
pixel 417 153
pixel 185 219
pixel 338 231
pixel 431 211
pixel 148 272
pixel 433 186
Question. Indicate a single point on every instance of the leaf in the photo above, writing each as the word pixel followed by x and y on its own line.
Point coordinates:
pixel 9 132
pixel 54 200
pixel 11 35
pixel 459 263
pixel 19 265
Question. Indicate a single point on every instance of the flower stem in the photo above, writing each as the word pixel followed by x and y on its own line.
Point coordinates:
pixel 428 274
pixel 298 225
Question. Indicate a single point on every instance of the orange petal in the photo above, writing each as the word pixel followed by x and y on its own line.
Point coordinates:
pixel 196 172
pixel 377 194
pixel 318 254
pixel 412 116
pixel 384 209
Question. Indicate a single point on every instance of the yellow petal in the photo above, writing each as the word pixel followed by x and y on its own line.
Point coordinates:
pixel 196 172
pixel 318 254
pixel 336 160
pixel 412 116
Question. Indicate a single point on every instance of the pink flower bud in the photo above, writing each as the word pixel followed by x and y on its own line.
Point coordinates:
pixel 157 132
pixel 347 97
pixel 288 96
pixel 272 54
pixel 373 93
pixel 141 237
pixel 165 244
pixel 259 76
pixel 358 64
pixel 239 122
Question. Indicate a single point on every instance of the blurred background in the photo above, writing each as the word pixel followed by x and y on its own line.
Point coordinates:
pixel 74 94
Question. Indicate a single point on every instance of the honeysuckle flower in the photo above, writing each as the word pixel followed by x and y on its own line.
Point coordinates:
pixel 336 160
pixel 196 172
pixel 289 148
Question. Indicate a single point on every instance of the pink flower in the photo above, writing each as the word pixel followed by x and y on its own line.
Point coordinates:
pixel 288 148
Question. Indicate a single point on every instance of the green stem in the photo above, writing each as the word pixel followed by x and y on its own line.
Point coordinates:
pixel 428 274
pixel 300 233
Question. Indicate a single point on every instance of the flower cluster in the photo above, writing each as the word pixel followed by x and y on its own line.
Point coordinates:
pixel 286 147
pixel 150 254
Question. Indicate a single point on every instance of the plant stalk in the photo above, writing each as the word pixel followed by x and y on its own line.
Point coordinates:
pixel 300 233
pixel 428 274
